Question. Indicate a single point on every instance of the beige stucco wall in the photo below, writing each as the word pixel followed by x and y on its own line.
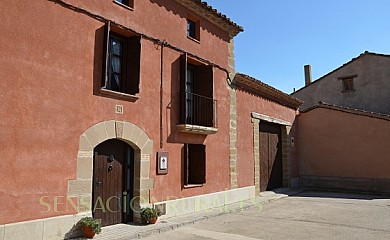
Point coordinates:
pixel 337 144
pixel 372 86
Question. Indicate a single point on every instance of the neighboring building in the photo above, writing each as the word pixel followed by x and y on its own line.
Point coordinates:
pixel 362 83
pixel 344 126
pixel 343 148
pixel 109 106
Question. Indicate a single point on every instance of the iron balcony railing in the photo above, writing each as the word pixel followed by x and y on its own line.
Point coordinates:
pixel 198 110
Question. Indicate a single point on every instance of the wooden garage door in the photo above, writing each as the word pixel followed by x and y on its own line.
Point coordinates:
pixel 270 156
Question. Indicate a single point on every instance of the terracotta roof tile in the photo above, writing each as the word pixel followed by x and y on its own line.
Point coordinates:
pixel 348 110
pixel 205 10
pixel 259 88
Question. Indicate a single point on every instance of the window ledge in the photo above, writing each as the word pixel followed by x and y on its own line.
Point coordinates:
pixel 188 128
pixel 118 95
pixel 123 5
pixel 193 185
pixel 193 39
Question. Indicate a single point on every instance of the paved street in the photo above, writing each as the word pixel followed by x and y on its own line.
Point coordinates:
pixel 307 215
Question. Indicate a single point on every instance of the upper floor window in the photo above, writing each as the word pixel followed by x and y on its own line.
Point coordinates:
pixel 122 62
pixel 193 30
pixel 116 61
pixel 348 83
pixel 197 103
pixel 128 3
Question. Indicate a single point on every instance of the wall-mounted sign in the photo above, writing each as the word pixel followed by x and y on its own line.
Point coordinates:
pixel 119 109
pixel 162 163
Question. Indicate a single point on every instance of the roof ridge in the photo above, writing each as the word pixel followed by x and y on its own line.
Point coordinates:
pixel 348 110
pixel 343 65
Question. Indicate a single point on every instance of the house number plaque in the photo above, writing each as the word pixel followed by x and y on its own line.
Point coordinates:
pixel 162 163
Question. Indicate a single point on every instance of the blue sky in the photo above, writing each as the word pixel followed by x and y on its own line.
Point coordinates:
pixel 281 36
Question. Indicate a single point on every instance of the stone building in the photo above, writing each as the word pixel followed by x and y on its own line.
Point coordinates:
pixel 362 83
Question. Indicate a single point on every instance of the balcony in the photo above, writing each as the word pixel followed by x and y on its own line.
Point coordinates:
pixel 197 114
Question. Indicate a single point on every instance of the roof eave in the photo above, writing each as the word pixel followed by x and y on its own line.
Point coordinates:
pixel 348 110
pixel 259 88
pixel 212 15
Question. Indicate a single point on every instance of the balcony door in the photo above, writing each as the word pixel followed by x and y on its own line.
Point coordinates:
pixel 189 82
pixel 196 87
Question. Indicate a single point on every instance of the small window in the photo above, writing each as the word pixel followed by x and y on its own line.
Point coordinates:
pixel 194 164
pixel 193 30
pixel 347 83
pixel 122 62
pixel 128 3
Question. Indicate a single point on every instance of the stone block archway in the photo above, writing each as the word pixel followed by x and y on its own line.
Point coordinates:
pixel 81 187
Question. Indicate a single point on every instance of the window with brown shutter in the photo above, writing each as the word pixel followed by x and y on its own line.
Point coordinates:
pixel 194 164
pixel 121 67
pixel 197 105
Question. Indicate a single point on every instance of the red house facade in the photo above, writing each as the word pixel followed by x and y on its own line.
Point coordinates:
pixel 117 105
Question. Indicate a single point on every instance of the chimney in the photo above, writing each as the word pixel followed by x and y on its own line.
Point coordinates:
pixel 307 75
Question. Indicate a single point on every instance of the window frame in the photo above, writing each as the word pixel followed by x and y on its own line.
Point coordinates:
pixel 123 64
pixel 130 82
pixel 129 5
pixel 190 152
pixel 193 34
pixel 202 92
pixel 348 84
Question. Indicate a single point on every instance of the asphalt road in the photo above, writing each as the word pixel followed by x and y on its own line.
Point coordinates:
pixel 308 215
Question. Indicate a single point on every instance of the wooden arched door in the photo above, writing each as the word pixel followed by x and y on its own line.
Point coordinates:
pixel 113 176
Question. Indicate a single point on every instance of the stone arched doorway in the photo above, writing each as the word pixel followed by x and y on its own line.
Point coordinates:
pixel 113 182
pixel 81 187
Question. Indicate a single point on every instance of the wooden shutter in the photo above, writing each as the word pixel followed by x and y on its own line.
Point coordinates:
pixel 106 54
pixel 197 164
pixel 204 80
pixel 185 163
pixel 183 79
pixel 204 87
pixel 133 65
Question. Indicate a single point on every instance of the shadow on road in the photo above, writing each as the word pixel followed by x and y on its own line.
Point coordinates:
pixel 321 193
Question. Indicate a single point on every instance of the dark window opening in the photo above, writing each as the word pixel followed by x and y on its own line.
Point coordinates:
pixel 194 164
pixel 129 3
pixel 115 63
pixel 191 29
pixel 348 85
pixel 197 105
pixel 189 93
pixel 122 63
pixel 125 2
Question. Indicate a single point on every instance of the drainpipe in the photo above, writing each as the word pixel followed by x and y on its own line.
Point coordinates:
pixel 161 92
